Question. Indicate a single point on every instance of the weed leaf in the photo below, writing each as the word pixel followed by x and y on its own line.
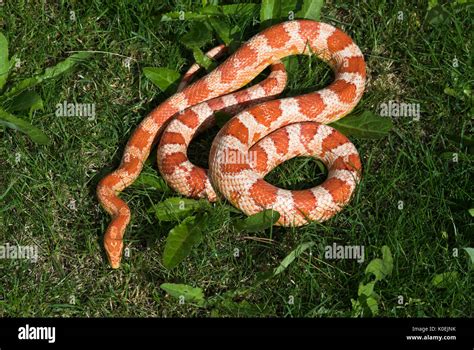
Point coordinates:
pixel 26 101
pixel 381 268
pixel 13 122
pixel 445 279
pixel 291 257
pixel 198 36
pixel 49 73
pixel 311 9
pixel 175 208
pixel 470 252
pixel 259 222
pixel 190 294
pixel 181 240
pixel 163 78
pixel 367 125
pixel 270 10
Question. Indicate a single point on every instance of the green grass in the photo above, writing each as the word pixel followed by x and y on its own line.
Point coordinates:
pixel 409 60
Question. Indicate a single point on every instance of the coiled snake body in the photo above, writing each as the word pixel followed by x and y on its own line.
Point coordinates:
pixel 255 140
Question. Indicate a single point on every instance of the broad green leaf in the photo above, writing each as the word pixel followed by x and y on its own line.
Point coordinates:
pixel 27 100
pixel 190 294
pixel 222 28
pixel 4 62
pixel 367 301
pixel 198 36
pixel 49 73
pixel 367 125
pixel 291 257
pixel 471 212
pixel 372 305
pixel 470 251
pixel 172 209
pixel 290 5
pixel 366 289
pixel 356 308
pixel 181 239
pixel 202 59
pixel 259 222
pixel 311 9
pixel 151 181
pixel 13 122
pixel 269 10
pixel 163 78
pixel 445 279
pixel 381 268
pixel 365 306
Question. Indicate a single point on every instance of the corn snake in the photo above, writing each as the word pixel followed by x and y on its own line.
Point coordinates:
pixel 271 130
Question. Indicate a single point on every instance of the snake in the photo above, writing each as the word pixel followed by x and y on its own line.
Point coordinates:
pixel 264 131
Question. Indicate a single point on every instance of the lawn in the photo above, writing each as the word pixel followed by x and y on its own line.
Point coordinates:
pixel 414 198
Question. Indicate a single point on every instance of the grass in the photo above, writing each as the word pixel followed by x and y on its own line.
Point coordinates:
pixel 51 203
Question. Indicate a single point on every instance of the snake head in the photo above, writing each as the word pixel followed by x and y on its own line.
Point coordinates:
pixel 113 248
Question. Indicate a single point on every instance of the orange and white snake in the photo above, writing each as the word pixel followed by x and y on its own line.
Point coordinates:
pixel 259 137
